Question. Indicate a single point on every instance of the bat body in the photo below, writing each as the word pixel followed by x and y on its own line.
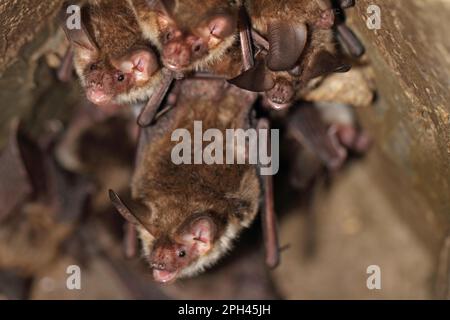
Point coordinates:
pixel 189 34
pixel 188 214
pixel 113 61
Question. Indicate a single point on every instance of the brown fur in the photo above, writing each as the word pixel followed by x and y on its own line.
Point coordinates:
pixel 173 193
pixel 188 16
pixel 307 12
pixel 114 29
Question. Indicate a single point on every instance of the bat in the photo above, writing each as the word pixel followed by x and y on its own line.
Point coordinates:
pixel 329 131
pixel 40 219
pixel 15 184
pixel 296 45
pixel 191 34
pixel 188 215
pixel 113 61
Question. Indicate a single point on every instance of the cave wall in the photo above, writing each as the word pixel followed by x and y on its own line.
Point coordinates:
pixel 411 121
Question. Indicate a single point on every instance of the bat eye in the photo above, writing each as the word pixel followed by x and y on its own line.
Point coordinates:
pixel 168 36
pixel 120 77
pixel 197 47
pixel 181 253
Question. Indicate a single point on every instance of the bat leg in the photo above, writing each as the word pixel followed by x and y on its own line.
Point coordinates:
pixel 245 37
pixel 65 70
pixel 309 130
pixel 269 221
pixel 148 113
pixel 130 241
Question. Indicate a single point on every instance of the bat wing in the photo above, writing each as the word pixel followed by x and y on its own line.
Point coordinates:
pixel 324 63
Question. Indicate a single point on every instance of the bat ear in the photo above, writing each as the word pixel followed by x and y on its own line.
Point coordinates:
pixel 222 25
pixel 324 63
pixel 70 19
pixel 201 233
pixel 127 213
pixel 142 64
pixel 286 44
pixel 256 79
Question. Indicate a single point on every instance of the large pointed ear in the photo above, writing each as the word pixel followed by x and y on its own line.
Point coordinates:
pixel 286 44
pixel 127 213
pixel 324 63
pixel 71 21
pixel 200 233
pixel 222 25
pixel 141 64
pixel 256 79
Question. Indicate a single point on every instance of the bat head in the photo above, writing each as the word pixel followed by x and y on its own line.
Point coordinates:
pixel 170 255
pixel 188 40
pixel 105 77
pixel 172 252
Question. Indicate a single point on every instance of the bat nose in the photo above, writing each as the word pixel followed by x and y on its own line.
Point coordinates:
pixel 176 56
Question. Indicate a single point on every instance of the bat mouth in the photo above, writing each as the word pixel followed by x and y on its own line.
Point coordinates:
pixel 279 105
pixel 164 276
pixel 98 98
pixel 175 66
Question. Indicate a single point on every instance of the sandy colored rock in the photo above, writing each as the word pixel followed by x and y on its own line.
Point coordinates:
pixel 352 227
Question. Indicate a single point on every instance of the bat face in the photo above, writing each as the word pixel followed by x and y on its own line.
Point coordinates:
pixel 282 94
pixel 114 62
pixel 172 252
pixel 189 33
pixel 171 255
pixel 105 80
pixel 184 48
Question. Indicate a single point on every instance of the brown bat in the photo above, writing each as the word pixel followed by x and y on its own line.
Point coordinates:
pixel 299 47
pixel 43 204
pixel 327 132
pixel 114 62
pixel 189 214
pixel 190 34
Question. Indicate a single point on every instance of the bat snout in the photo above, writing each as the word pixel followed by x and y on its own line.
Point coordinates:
pixel 176 56
pixel 158 265
pixel 281 95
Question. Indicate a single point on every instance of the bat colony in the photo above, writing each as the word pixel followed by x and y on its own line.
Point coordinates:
pixel 214 61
